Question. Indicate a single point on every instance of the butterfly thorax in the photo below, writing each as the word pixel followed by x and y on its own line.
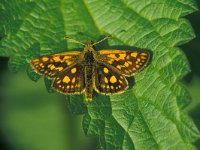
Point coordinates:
pixel 89 53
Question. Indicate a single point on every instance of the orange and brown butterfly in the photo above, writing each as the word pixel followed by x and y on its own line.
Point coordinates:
pixel 104 71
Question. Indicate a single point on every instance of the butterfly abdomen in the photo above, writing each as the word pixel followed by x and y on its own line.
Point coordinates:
pixel 89 69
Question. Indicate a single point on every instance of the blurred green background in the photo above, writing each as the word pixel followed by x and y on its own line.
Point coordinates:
pixel 32 119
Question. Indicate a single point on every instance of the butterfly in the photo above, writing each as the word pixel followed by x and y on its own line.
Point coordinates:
pixel 104 71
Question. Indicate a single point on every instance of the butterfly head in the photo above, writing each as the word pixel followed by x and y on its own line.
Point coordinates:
pixel 89 46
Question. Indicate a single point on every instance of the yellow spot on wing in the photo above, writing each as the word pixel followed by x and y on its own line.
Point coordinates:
pixel 106 80
pixel 59 68
pixel 134 54
pixel 126 64
pixel 42 65
pixel 45 58
pixel 113 79
pixel 144 54
pixel 122 56
pixel 73 80
pixel 143 57
pixel 69 62
pixel 112 56
pixel 56 58
pixel 73 70
pixel 127 57
pixel 129 62
pixel 105 70
pixel 66 79
pixel 119 66
pixel 103 86
pixel 67 57
pixel 58 81
pixel 52 67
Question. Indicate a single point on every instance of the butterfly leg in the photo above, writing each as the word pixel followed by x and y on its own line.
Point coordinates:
pixel 89 69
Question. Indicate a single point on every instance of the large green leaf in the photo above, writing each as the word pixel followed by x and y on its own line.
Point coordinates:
pixel 148 115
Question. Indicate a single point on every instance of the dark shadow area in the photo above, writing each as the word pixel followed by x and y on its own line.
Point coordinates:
pixel 3 67
pixel 192 48
pixel 192 51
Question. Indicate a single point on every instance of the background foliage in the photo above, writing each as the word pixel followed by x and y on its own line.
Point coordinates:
pixel 151 119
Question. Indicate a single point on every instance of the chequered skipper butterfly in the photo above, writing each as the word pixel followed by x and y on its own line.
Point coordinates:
pixel 104 71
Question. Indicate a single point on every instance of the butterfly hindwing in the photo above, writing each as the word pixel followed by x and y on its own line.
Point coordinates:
pixel 108 80
pixel 51 65
pixel 71 80
pixel 127 62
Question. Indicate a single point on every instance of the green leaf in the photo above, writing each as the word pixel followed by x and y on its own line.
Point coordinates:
pixel 147 116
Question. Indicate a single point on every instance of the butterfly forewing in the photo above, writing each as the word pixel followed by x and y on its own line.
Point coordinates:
pixel 108 80
pixel 71 80
pixel 51 65
pixel 127 62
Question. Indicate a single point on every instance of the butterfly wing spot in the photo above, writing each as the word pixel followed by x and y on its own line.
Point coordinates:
pixel 105 70
pixel 103 86
pixel 73 80
pixel 66 79
pixel 56 58
pixel 41 65
pixel 144 54
pixel 143 57
pixel 127 57
pixel 134 54
pixel 69 62
pixel 59 68
pixel 106 80
pixel 112 56
pixel 126 64
pixel 118 66
pixel 108 83
pixel 67 57
pixel 137 66
pixel 120 81
pixel 73 70
pixel 122 56
pixel 45 59
pixel 58 81
pixel 113 79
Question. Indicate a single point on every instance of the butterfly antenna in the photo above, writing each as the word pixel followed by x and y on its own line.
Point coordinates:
pixel 107 37
pixel 75 41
